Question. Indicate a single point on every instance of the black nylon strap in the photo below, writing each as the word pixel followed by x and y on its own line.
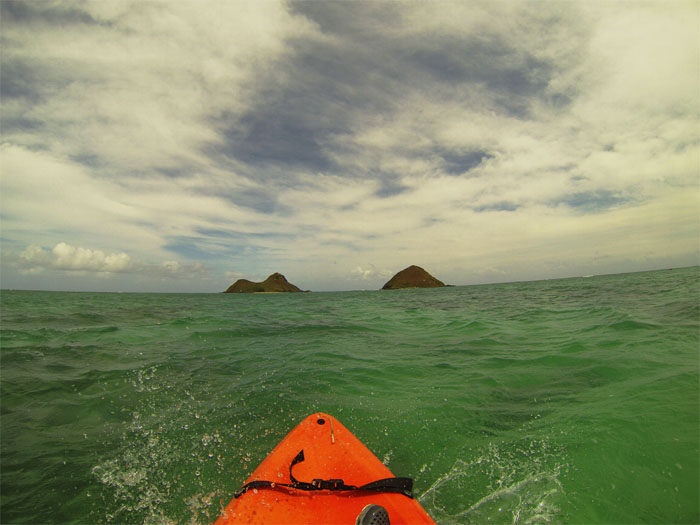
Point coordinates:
pixel 396 485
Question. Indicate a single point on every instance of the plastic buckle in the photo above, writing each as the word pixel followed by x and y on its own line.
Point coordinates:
pixel 328 484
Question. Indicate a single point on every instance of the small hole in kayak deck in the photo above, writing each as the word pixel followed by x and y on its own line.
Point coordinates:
pixel 321 421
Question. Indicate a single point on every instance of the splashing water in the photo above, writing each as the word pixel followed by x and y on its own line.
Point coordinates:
pixel 503 484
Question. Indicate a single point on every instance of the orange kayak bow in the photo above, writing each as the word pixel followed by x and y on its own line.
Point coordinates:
pixel 321 473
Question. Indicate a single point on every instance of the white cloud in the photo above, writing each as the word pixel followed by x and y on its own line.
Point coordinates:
pixel 369 272
pixel 67 258
pixel 648 57
pixel 141 88
pixel 35 259
pixel 35 255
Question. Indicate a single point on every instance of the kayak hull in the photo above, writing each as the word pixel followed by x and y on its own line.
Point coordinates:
pixel 331 451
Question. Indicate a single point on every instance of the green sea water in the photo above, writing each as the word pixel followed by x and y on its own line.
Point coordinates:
pixel 564 401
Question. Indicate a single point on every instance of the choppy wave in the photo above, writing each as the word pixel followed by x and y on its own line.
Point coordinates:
pixel 557 401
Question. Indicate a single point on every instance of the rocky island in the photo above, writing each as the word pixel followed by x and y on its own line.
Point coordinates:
pixel 412 277
pixel 276 283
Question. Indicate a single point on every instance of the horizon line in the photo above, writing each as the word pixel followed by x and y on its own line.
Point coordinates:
pixel 363 289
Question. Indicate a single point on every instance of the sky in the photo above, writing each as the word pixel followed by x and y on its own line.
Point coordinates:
pixel 178 146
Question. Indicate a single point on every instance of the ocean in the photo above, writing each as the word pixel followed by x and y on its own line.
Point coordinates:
pixel 562 401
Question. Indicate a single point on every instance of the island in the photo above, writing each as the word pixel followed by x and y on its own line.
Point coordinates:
pixel 412 277
pixel 276 283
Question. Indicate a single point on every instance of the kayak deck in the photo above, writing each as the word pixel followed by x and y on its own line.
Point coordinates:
pixel 330 452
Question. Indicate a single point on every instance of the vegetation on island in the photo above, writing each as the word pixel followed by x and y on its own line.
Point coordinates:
pixel 412 277
pixel 275 283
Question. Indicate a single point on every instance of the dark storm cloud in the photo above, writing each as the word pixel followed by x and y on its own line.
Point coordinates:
pixel 312 99
pixel 26 82
pixel 459 162
pixel 595 201
pixel 37 13
pixel 390 186
pixel 498 206
pixel 488 60
pixel 21 80
pixel 261 201
pixel 35 78
pixel 355 20
pixel 277 133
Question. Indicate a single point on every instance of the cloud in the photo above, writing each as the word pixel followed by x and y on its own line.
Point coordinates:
pixel 67 257
pixel 130 83
pixel 474 138
pixel 33 260
pixel 176 269
pixel 146 215
pixel 369 272
pixel 64 257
